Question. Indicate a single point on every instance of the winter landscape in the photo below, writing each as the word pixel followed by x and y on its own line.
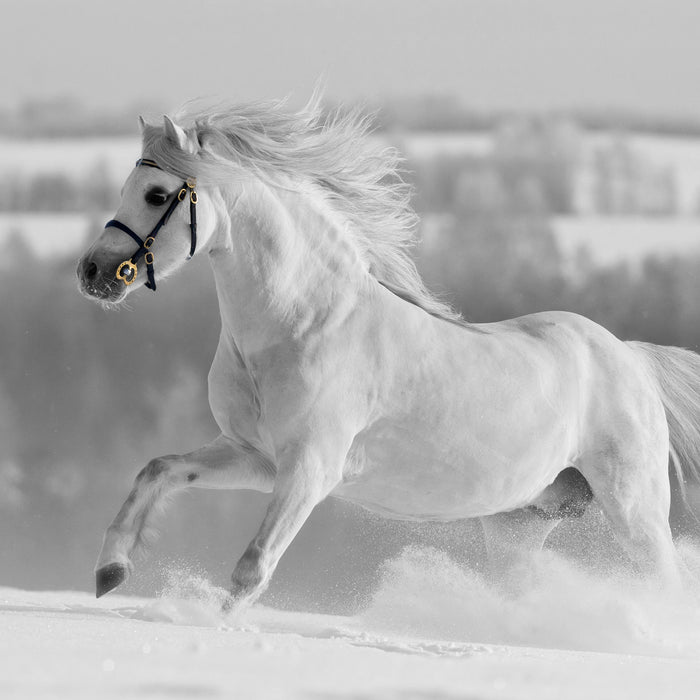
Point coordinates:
pixel 554 155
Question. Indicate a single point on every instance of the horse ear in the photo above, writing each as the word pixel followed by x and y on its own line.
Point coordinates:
pixel 175 133
pixel 142 124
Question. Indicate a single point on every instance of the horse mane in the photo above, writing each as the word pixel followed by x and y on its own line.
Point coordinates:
pixel 358 177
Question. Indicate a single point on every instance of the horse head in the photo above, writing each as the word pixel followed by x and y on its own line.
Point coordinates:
pixel 156 223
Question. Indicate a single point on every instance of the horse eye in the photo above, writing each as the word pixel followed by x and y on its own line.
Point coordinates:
pixel 156 198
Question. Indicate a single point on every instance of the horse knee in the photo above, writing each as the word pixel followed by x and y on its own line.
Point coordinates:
pixel 156 469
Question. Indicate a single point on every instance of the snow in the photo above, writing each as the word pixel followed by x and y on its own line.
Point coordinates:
pixel 613 240
pixel 74 157
pixel 433 629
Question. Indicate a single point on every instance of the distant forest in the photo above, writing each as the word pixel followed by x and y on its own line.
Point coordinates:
pixel 63 117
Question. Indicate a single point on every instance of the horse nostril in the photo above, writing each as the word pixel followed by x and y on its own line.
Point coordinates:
pixel 90 270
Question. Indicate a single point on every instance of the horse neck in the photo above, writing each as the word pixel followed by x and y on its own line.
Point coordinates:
pixel 290 265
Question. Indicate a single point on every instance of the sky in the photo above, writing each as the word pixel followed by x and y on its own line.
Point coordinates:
pixel 522 54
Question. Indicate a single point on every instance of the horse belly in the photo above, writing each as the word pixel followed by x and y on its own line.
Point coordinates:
pixel 395 472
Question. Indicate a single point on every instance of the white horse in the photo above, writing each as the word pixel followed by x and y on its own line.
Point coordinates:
pixel 337 373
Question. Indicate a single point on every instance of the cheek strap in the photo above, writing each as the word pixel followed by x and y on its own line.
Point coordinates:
pixel 127 271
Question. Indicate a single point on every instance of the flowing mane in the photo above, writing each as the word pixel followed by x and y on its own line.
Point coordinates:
pixel 358 177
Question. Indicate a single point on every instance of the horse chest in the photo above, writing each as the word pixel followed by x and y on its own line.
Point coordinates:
pixel 261 396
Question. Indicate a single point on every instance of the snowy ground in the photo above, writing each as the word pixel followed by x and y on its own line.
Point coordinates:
pixel 433 630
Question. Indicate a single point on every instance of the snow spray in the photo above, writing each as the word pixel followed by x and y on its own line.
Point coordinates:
pixel 553 603
pixel 187 598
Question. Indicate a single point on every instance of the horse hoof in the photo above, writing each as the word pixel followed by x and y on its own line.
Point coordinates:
pixel 109 577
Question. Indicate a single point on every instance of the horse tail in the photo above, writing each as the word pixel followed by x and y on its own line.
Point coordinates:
pixel 677 372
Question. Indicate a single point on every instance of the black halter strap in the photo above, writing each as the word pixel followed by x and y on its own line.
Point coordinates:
pixel 127 271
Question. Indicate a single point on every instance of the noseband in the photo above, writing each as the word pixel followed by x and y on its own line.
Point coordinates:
pixel 127 271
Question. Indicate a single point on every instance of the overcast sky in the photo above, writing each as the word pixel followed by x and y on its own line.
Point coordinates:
pixel 491 53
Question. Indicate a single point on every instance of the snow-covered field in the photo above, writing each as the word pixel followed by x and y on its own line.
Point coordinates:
pixel 616 239
pixel 434 629
pixel 73 157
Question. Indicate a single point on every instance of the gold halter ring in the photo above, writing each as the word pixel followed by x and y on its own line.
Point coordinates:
pixel 129 276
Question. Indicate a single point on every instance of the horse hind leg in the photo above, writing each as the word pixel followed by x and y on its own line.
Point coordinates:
pixel 631 484
pixel 513 538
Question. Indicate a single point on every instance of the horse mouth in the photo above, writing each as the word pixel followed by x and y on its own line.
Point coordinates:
pixel 102 290
pixel 105 294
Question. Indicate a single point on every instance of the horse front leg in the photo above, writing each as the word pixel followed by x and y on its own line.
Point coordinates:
pixel 304 479
pixel 221 464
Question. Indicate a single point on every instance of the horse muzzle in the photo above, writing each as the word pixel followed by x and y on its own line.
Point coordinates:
pixel 97 280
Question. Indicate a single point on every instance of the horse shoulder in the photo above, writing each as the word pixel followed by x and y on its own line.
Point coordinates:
pixel 234 397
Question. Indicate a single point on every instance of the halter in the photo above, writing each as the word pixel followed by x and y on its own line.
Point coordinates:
pixel 127 271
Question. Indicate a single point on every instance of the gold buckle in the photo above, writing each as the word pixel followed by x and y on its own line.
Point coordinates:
pixel 149 260
pixel 182 194
pixel 193 197
pixel 129 277
pixel 191 183
pixel 149 242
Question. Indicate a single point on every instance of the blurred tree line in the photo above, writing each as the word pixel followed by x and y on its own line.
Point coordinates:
pixel 446 112
pixel 63 116
pixel 58 191
pixel 488 246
